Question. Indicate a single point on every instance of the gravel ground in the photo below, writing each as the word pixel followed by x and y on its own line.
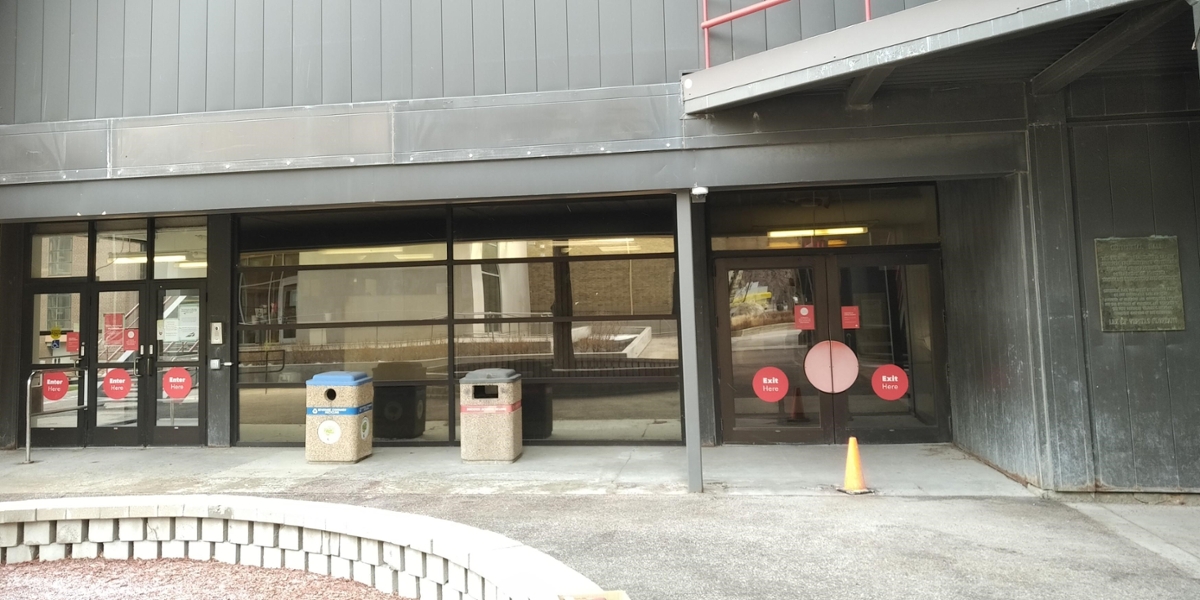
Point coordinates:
pixel 168 579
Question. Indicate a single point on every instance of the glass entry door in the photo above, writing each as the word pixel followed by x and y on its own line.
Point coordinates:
pixel 815 349
pixel 117 366
pixel 176 360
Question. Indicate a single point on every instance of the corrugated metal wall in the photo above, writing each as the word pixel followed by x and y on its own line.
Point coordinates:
pixel 988 324
pixel 83 59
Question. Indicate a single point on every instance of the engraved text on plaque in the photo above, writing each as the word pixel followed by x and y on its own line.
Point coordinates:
pixel 1140 286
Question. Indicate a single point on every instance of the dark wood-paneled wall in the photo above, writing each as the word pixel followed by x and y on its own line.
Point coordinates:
pixel 1135 180
pixel 988 323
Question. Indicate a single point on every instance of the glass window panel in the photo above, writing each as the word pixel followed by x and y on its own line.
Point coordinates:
pixel 56 332
pixel 830 218
pixel 40 403
pixel 181 248
pixel 763 333
pixel 116 412
pixel 504 290
pixel 513 290
pixel 578 349
pixel 622 287
pixel 178 412
pixel 117 321
pixel 276 414
pixel 601 411
pixel 895 316
pixel 347 255
pixel 296 355
pixel 182 333
pixel 59 250
pixel 121 250
pixel 343 295
pixel 579 246
pixel 271 415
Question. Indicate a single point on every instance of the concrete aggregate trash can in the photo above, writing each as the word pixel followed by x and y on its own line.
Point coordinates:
pixel 337 422
pixel 490 403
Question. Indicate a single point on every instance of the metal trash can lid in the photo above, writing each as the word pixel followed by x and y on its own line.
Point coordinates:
pixel 491 376
pixel 340 378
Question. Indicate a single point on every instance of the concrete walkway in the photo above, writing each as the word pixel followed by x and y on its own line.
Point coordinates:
pixel 942 526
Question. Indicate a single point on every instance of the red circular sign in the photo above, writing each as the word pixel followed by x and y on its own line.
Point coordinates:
pixel 54 385
pixel 831 367
pixel 770 384
pixel 890 382
pixel 117 384
pixel 177 382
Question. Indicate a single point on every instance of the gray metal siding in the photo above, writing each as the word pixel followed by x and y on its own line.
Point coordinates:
pixel 110 52
pixel 395 17
pixel 221 55
pixel 458 56
pixel 249 47
pixel 520 47
pixel 366 30
pixel 335 52
pixel 56 60
pixel 306 52
pixel 1135 180
pixel 193 56
pixel 81 103
pixel 277 53
pixel 488 18
pixel 136 91
pixel 8 60
pixel 988 323
pixel 164 58
pixel 80 59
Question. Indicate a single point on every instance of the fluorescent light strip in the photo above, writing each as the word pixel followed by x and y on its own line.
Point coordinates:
pixel 817 232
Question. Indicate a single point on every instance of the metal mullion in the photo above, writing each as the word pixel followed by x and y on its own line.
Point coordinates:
pixel 565 258
pixel 570 319
pixel 451 364
pixel 345 266
pixel 336 325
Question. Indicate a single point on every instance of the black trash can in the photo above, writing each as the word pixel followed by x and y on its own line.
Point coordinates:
pixel 399 409
pixel 538 409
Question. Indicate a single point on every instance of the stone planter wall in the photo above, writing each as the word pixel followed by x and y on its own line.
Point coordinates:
pixel 408 555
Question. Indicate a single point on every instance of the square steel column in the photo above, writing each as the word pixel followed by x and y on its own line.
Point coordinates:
pixel 688 339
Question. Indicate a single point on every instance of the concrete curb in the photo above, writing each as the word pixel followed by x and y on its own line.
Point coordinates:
pixel 403 554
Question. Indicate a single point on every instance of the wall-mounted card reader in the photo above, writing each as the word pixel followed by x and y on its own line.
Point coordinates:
pixel 216 335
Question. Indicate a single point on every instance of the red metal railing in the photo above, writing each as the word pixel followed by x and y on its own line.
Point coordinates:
pixel 706 24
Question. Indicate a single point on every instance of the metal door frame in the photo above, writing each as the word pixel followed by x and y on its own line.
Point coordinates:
pixel 725 391
pixel 835 421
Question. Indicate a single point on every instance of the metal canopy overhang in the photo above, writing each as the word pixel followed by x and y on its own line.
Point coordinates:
pixel 885 42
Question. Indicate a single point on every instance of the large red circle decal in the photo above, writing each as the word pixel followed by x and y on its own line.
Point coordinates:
pixel 177 382
pixel 54 385
pixel 770 384
pixel 890 382
pixel 831 367
pixel 117 384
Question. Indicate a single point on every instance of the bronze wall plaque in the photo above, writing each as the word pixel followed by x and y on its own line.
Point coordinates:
pixel 1140 285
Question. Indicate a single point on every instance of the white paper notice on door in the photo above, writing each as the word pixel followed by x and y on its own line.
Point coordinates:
pixel 189 322
pixel 170 330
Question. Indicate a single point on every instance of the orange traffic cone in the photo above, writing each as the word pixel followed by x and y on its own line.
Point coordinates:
pixel 854 483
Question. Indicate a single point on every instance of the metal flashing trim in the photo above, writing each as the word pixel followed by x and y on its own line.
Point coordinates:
pixel 906 35
pixel 532 125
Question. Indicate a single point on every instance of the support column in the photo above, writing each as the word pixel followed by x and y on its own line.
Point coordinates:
pixel 12 276
pixel 688 339
pixel 1065 422
pixel 222 237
